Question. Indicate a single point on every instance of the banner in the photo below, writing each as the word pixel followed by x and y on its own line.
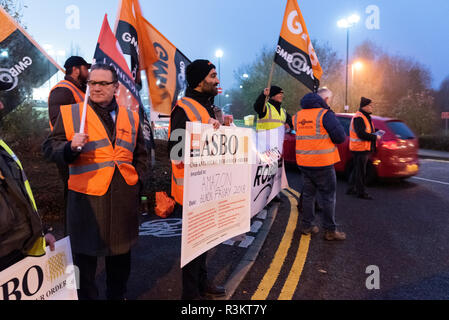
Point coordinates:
pixel 268 171
pixel 217 187
pixel 165 65
pixel 50 277
pixel 24 65
pixel 108 52
pixel 295 53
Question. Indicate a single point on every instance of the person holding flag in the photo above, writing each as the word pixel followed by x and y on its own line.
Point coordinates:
pixel 271 115
pixel 71 90
pixel 106 162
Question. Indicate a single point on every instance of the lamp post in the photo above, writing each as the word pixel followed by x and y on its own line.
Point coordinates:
pixel 219 55
pixel 347 23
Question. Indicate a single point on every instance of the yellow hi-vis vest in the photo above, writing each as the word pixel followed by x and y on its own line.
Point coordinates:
pixel 272 119
pixel 38 248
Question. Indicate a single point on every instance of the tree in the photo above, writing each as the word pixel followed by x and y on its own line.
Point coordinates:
pixel 14 9
pixel 442 96
pixel 417 109
pixel 248 89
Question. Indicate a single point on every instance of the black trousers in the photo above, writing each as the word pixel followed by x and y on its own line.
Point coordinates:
pixel 194 278
pixel 118 269
pixel 357 180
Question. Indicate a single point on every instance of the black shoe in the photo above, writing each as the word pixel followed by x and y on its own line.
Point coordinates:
pixel 350 191
pixel 213 291
pixel 365 196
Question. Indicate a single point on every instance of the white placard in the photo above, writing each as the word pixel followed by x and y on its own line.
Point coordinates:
pixel 217 187
pixel 50 277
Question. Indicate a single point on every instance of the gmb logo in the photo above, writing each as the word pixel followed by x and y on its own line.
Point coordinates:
pixel 8 78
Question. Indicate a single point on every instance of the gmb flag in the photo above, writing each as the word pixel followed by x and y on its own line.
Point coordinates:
pixel 295 52
pixel 23 64
pixel 151 51
pixel 108 52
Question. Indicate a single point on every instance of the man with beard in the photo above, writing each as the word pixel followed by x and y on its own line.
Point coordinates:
pixel 71 90
pixel 196 106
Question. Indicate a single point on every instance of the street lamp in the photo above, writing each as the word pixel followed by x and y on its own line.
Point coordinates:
pixel 347 23
pixel 219 55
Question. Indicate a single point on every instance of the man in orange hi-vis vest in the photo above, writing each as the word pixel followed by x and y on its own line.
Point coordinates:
pixel 317 133
pixel 104 187
pixel 362 143
pixel 196 106
pixel 71 90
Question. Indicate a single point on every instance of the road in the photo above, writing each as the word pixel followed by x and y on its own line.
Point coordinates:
pixel 397 245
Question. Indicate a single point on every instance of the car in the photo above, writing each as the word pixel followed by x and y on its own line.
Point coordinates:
pixel 396 154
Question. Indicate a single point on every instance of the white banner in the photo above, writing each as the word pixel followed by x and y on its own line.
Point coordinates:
pixel 50 277
pixel 268 174
pixel 217 187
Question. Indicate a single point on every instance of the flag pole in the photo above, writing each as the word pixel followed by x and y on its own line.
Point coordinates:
pixel 270 78
pixel 83 117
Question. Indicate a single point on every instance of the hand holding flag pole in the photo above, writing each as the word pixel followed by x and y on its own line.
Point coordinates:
pixel 83 117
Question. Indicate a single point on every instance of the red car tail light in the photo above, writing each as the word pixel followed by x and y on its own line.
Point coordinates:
pixel 390 145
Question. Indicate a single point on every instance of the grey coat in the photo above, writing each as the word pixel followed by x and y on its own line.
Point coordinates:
pixel 100 225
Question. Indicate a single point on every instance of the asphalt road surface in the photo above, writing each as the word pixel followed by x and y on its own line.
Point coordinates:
pixel 397 245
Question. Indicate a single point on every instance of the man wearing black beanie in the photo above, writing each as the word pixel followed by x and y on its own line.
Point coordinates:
pixel 271 115
pixel 362 143
pixel 196 106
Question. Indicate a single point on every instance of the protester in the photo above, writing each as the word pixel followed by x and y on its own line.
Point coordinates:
pixel 195 106
pixel 362 143
pixel 104 186
pixel 21 231
pixel 271 115
pixel 71 90
pixel 317 132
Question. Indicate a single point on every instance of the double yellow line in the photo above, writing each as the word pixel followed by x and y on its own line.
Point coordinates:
pixel 274 270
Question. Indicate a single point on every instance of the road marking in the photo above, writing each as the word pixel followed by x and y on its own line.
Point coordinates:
pixel 256 226
pixel 273 271
pixel 295 272
pixel 429 180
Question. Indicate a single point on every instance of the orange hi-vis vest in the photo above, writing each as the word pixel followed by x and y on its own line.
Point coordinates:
pixel 314 147
pixel 76 92
pixel 195 113
pixel 355 143
pixel 92 171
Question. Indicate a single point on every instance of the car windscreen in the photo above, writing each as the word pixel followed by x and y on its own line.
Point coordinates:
pixel 401 130
pixel 345 122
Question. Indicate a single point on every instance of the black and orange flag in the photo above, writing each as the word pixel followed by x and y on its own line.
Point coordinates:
pixel 150 51
pixel 295 52
pixel 24 65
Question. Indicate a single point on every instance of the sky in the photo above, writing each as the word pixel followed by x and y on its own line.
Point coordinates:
pixel 241 28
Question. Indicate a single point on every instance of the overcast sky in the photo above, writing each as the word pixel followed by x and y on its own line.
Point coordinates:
pixel 241 28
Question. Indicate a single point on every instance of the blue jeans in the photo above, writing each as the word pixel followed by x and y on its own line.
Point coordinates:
pixel 323 181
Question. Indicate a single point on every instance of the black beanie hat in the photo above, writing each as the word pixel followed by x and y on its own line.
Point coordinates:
pixel 274 90
pixel 364 102
pixel 197 71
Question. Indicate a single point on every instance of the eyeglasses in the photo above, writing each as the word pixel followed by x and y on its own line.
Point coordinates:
pixel 100 83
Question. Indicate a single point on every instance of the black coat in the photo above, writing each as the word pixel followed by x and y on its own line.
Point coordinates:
pixel 100 225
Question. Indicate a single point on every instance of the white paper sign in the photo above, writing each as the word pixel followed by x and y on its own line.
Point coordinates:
pixel 217 187
pixel 50 277
pixel 268 174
